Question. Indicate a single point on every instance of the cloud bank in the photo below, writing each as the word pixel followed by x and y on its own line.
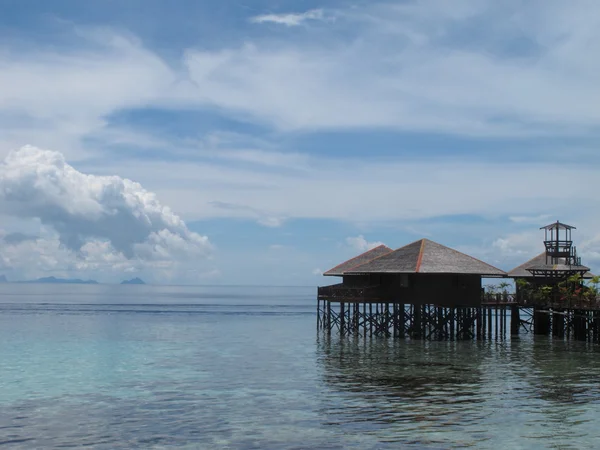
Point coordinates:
pixel 96 218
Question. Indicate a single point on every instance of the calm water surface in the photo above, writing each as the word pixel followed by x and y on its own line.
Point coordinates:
pixel 212 367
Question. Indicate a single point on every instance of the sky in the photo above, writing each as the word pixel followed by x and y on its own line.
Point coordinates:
pixel 264 142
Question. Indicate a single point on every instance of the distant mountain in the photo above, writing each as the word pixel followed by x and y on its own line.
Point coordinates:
pixel 135 280
pixel 54 280
pixel 3 279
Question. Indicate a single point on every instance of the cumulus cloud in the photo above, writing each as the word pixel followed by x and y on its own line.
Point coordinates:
pixel 289 19
pixel 359 243
pixel 93 215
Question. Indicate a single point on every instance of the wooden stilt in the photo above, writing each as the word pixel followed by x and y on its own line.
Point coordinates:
pixel 515 320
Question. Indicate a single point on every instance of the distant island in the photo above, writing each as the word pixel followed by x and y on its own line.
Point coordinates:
pixel 135 280
pixel 54 280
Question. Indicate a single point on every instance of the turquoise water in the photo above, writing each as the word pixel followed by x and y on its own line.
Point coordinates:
pixel 212 367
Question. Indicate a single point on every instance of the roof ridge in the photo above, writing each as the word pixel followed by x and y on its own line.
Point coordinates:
pixel 420 257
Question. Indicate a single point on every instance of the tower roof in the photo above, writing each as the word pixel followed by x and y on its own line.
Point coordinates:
pixel 539 262
pixel 425 256
pixel 358 260
pixel 558 225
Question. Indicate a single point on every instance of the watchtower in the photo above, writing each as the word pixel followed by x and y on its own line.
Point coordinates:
pixel 559 244
pixel 561 260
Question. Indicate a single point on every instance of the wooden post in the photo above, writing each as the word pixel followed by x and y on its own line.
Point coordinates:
pixel 417 322
pixel 342 318
pixel 365 320
pixel 557 322
pixel 395 320
pixel 387 319
pixel 402 320
pixel 496 325
pixel 580 325
pixel 318 312
pixel 515 320
pixel 483 321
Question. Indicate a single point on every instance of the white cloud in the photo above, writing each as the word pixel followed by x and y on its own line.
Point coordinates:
pixel 360 244
pixel 289 19
pixel 101 220
pixel 519 245
pixel 404 67
pixel 540 219
pixel 261 216
pixel 271 222
pixel 409 67
pixel 53 98
pixel 317 272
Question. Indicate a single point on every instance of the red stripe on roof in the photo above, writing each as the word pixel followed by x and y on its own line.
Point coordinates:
pixel 420 256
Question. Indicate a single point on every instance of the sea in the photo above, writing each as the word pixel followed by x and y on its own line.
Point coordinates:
pixel 161 367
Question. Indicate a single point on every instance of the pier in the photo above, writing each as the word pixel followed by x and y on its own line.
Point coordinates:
pixel 428 291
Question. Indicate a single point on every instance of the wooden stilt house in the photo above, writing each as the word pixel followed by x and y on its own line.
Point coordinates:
pixel 421 273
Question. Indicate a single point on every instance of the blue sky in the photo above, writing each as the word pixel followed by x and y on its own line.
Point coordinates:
pixel 274 139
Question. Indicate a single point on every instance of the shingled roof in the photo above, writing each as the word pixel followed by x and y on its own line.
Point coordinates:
pixel 425 256
pixel 539 262
pixel 358 260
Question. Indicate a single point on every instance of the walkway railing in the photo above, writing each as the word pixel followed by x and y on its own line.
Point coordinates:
pixel 342 293
pixel 489 298
pixel 554 301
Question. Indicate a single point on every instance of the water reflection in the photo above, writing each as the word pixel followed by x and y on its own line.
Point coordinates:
pixel 528 391
pixel 402 369
pixel 564 371
pixel 410 392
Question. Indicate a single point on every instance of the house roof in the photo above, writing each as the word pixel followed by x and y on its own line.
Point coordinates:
pixel 358 260
pixel 559 225
pixel 425 256
pixel 539 263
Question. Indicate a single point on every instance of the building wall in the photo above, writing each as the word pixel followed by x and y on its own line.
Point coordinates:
pixel 356 280
pixel 367 280
pixel 421 289
pixel 436 289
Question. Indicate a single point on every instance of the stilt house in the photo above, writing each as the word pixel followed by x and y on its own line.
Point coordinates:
pixel 421 273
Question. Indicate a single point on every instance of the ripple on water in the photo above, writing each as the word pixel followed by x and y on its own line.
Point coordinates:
pixel 110 377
